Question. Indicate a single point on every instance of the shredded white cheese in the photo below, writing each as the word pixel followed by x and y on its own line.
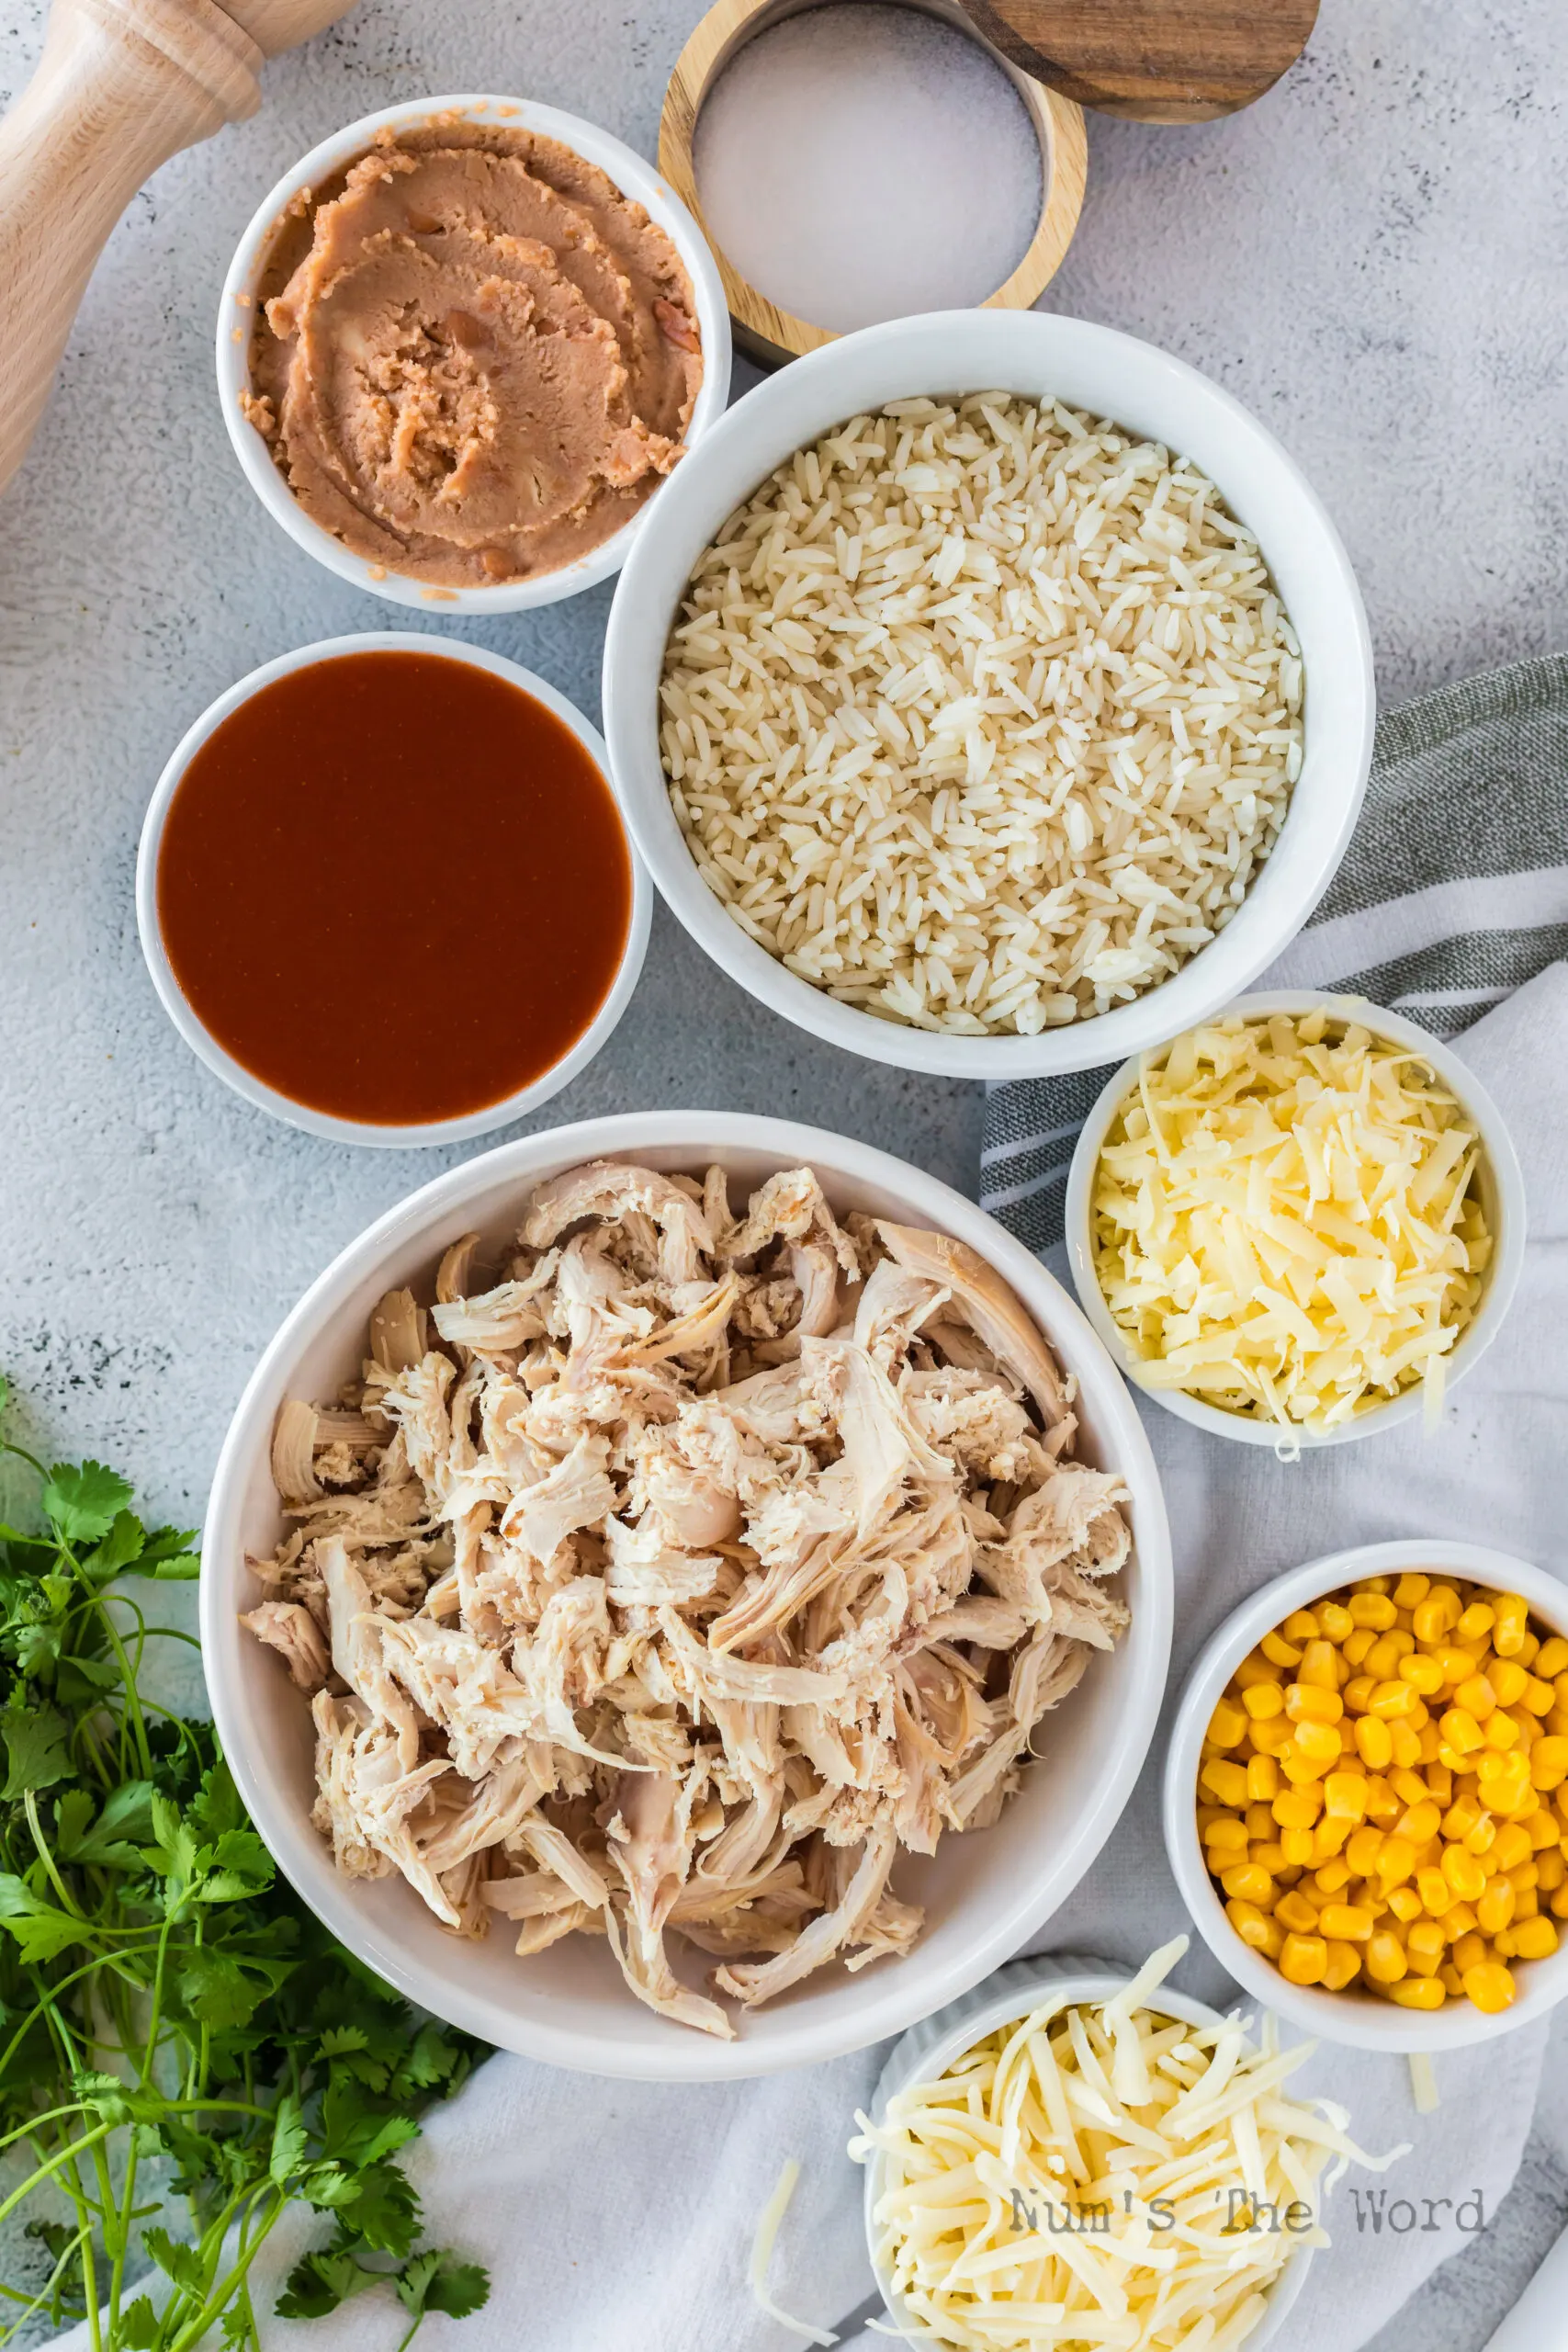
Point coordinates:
pixel 762 2244
pixel 1422 2083
pixel 1286 1221
pixel 1108 2176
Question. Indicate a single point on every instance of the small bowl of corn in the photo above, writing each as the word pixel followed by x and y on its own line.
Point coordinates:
pixel 1300 1223
pixel 1365 1796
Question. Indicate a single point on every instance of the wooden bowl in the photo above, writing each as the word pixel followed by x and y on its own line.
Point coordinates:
pixel 771 335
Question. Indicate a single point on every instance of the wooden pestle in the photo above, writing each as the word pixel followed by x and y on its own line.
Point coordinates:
pixel 121 85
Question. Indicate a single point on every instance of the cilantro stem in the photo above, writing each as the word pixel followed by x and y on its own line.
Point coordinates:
pixel 67 2156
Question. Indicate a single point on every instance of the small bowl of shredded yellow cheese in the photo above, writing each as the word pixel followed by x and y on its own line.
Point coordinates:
pixel 1069 2158
pixel 1297 1224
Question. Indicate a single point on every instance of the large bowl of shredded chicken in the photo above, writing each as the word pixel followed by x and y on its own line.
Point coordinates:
pixel 685 1595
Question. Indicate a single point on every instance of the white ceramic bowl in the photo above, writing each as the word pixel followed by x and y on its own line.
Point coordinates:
pixel 1361 2019
pixel 985 1893
pixel 255 1090
pixel 1145 390
pixel 236 318
pixel 1503 1198
pixel 928 2049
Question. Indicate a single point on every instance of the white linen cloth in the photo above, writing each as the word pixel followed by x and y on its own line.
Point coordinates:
pixel 618 2217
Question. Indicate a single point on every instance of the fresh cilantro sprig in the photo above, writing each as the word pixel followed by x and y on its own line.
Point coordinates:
pixel 185 2052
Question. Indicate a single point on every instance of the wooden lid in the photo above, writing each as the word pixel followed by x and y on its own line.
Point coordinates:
pixel 1156 61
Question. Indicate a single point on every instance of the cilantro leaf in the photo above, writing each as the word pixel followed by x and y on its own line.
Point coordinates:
pixel 121 1545
pixel 216 1989
pixel 83 1500
pixel 138 2325
pixel 107 1842
pixel 320 2282
pixel 457 2289
pixel 386 2212
pixel 181 2263
pixel 40 1931
pixel 35 1753
pixel 289 2139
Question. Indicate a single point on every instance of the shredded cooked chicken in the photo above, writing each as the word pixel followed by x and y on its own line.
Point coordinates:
pixel 667 1588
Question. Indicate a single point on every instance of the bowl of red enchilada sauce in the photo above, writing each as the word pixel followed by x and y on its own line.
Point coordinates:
pixel 384 890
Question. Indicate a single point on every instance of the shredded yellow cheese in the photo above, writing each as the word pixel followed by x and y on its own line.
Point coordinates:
pixel 1102 2177
pixel 1286 1221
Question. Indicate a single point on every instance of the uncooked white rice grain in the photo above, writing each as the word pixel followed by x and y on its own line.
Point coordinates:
pixel 982 715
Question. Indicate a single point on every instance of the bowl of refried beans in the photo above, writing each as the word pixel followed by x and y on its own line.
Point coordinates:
pixel 461 345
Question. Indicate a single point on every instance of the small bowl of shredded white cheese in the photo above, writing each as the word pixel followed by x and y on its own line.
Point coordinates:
pixel 1299 1222
pixel 1070 2157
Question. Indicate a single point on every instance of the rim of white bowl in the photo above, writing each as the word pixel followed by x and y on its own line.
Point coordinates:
pixel 889 2002
pixel 929 2049
pixel 236 315
pixel 1359 2019
pixel 1505 1211
pixel 234 1073
pixel 937 353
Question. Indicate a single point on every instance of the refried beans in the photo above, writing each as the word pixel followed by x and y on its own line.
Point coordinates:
pixel 474 357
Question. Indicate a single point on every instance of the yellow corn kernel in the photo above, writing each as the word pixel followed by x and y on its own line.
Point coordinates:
pixel 1374 1609
pixel 1434 1890
pixel 1269 1854
pixel 1227 1725
pixel 1525 1907
pixel 1345 1923
pixel 1254 1928
pixel 1247 1883
pixel 1461 1731
pixel 1476 1621
pixel 1298 1846
pixel 1405 1904
pixel 1423 1941
pixel 1342 1967
pixel 1318 1745
pixel 1226 1834
pixel 1303 1960
pixel 1535 1939
pixel 1438 1778
pixel 1393 1701
pixel 1354 1647
pixel 1374 1743
pixel 1437 1615
pixel 1504 1782
pixel 1335 1621
pixel 1552 1870
pixel 1495 1908
pixel 1333 1877
pixel 1490 1986
pixel 1458 1920
pixel 1468 1951
pixel 1344 1796
pixel 1356 1693
pixel 1262 1780
pixel 1418 1992
pixel 1512 1846
pixel 1296 1808
pixel 1382 1805
pixel 1300 1625
pixel 1511 1620
pixel 1423 1672
pixel 1409 1786
pixel 1385 1961
pixel 1483 1837
pixel 1461 1817
pixel 1411 1587
pixel 1407 1737
pixel 1508 1679
pixel 1523 1877
pixel 1309 1702
pixel 1504 1946
pixel 1548 1763
pixel 1420 1823
pixel 1396 1860
pixel 1278 1652
pixel 1560 1904
pixel 1321 1669
pixel 1272 1733
pixel 1501 1732
pixel 1262 1700
pixel 1476 1696
pixel 1552 1658
pixel 1463 1874
pixel 1539 1697
pixel 1296 1912
pixel 1258 1816
pixel 1223 1779
pixel 1254 1671
pixel 1329 1838
pixel 1361 1853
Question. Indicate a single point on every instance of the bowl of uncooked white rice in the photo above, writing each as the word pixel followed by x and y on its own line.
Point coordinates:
pixel 994 696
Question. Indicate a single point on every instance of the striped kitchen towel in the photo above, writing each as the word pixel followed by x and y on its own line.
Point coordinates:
pixel 1453 893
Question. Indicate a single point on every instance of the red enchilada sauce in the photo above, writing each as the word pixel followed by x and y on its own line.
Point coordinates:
pixel 394 887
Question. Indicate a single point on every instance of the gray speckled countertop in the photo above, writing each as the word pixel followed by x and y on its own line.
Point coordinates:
pixel 1375 258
